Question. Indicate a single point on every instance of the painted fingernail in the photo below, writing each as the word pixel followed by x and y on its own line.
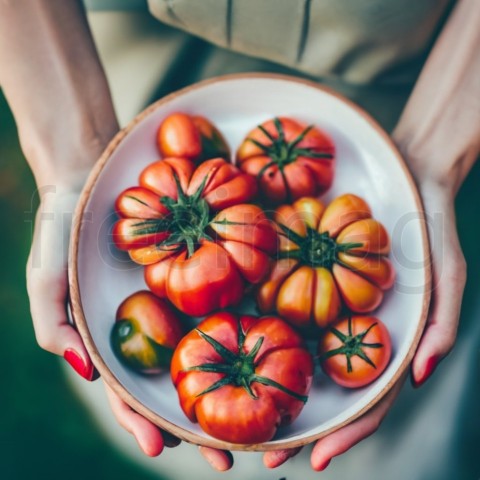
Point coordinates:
pixel 78 364
pixel 323 466
pixel 430 366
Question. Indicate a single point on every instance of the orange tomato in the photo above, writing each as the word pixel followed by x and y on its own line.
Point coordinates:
pixel 328 258
pixel 191 136
pixel 355 351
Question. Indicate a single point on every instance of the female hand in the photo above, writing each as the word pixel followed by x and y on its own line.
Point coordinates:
pixel 47 282
pixel 439 137
pixel 448 282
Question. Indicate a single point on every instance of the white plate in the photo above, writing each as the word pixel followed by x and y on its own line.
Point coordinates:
pixel 367 165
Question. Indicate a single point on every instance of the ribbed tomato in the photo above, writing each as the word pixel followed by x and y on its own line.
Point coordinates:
pixel 191 136
pixel 328 257
pixel 355 350
pixel 242 377
pixel 194 231
pixel 289 159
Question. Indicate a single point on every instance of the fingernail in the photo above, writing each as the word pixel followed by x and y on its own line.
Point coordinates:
pixel 323 466
pixel 78 364
pixel 430 366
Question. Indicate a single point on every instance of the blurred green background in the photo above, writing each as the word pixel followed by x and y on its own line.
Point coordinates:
pixel 45 433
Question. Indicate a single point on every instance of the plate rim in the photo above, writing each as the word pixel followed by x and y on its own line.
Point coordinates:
pixel 80 321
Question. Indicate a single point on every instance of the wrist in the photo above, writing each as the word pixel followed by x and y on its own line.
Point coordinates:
pixel 62 156
pixel 432 167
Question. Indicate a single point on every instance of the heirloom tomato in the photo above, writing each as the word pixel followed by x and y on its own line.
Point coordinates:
pixel 289 159
pixel 194 232
pixel 191 136
pixel 242 377
pixel 145 333
pixel 328 257
pixel 355 351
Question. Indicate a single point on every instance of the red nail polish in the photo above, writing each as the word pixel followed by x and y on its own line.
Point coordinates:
pixel 323 466
pixel 77 363
pixel 430 366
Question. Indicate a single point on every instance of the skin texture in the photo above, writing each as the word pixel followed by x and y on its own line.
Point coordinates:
pixel 145 333
pixel 192 137
pixel 41 71
pixel 229 412
pixel 301 162
pixel 362 372
pixel 234 237
pixel 316 266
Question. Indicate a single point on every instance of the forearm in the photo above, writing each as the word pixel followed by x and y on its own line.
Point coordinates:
pixel 439 130
pixel 53 80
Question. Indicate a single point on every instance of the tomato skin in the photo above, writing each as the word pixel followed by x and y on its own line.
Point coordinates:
pixel 145 333
pixel 330 257
pixel 343 211
pixel 229 412
pixel 359 294
pixel 285 171
pixel 258 422
pixel 135 233
pixel 192 137
pixel 139 202
pixel 195 222
pixel 362 373
pixel 205 282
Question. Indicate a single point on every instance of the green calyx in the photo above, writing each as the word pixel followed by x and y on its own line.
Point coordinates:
pixel 315 249
pixel 353 345
pixel 238 368
pixel 187 221
pixel 282 152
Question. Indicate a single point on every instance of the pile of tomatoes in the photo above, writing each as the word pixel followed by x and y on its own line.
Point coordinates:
pixel 210 232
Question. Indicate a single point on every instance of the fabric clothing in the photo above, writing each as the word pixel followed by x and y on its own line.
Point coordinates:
pixel 430 434
pixel 115 5
pixel 359 41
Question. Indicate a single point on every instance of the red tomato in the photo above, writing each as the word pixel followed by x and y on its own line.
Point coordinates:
pixel 194 231
pixel 355 351
pixel 145 333
pixel 242 377
pixel 328 257
pixel 192 137
pixel 289 159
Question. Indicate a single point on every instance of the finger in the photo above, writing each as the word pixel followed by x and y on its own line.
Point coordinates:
pixel 345 438
pixel 449 278
pixel 276 458
pixel 147 435
pixel 47 287
pixel 221 460
pixel 50 322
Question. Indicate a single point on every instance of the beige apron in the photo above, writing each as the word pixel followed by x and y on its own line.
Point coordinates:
pixel 359 41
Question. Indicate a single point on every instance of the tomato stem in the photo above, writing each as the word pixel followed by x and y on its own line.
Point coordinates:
pixel 283 153
pixel 353 345
pixel 315 249
pixel 238 368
